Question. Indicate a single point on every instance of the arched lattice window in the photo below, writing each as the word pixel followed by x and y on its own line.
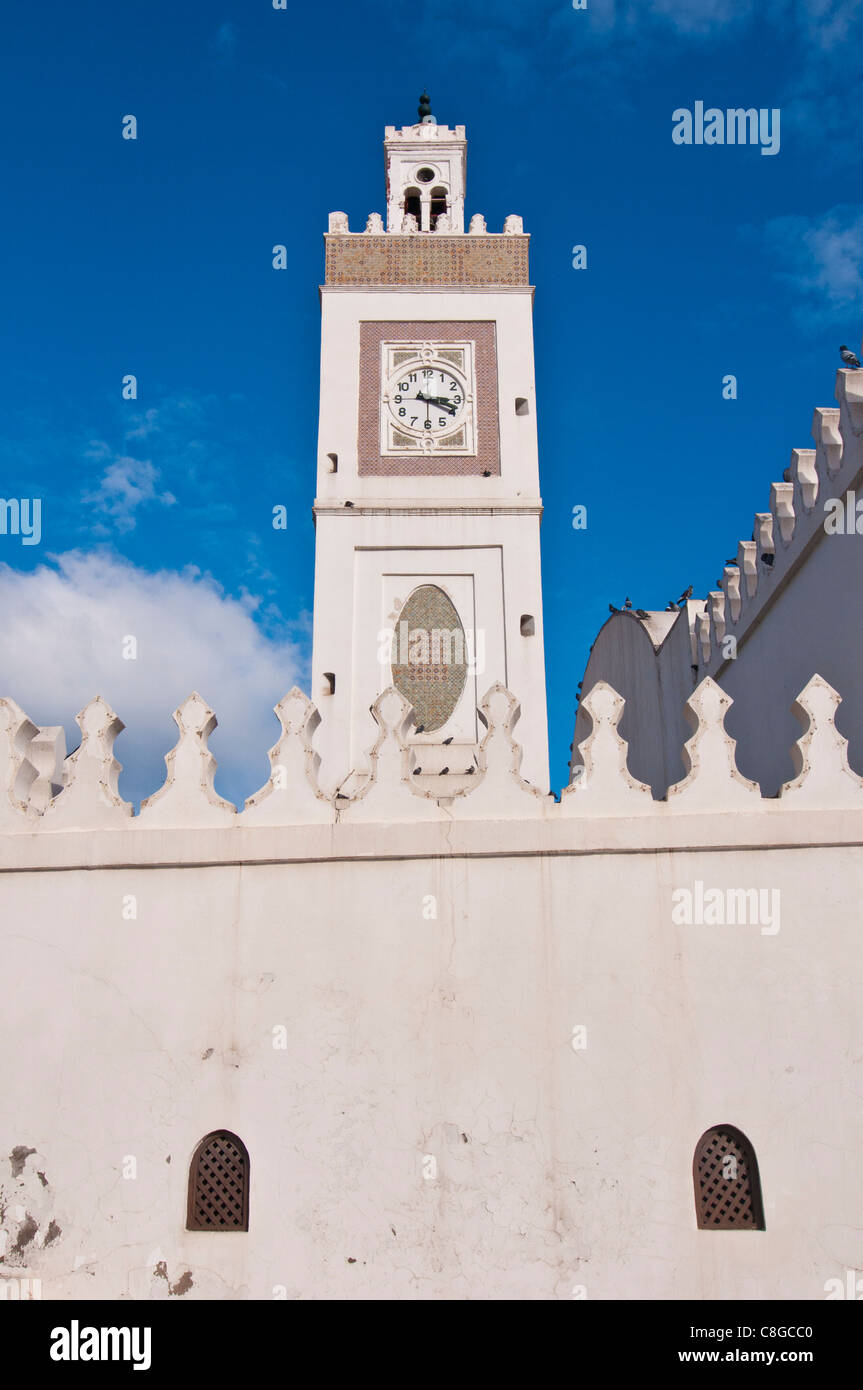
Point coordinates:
pixel 727 1186
pixel 219 1184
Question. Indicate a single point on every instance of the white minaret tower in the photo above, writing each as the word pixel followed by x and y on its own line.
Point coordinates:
pixel 427 565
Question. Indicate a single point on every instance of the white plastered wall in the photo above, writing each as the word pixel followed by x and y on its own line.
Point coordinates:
pixel 448 524
pixel 450 1038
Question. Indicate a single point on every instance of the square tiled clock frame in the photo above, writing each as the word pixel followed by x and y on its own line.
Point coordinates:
pixel 480 338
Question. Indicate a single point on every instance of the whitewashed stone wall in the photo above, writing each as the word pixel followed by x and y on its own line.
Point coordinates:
pixel 429 1129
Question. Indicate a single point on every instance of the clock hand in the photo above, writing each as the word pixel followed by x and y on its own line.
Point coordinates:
pixel 440 401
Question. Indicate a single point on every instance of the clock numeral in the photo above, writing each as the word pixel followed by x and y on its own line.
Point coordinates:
pixel 403 386
pixel 456 400
pixel 428 371
pixel 412 376
pixel 414 419
pixel 402 411
pixel 427 425
pixel 398 400
pixel 442 420
pixel 453 385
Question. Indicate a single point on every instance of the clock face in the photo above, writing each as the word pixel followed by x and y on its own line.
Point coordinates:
pixel 426 398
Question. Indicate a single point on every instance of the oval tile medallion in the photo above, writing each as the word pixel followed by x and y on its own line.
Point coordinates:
pixel 429 657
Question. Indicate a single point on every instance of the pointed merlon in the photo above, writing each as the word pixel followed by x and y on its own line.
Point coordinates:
pixel 387 794
pixel 713 780
pixel 17 772
pixel 188 797
pixel 292 793
pixel 91 796
pixel 782 507
pixel 601 784
pixel 500 792
pixel 820 756
pixel 829 446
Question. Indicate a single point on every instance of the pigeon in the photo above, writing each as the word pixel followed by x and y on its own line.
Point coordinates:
pixel 349 504
pixel 848 357
pixel 732 562
pixel 449 740
pixel 687 593
pixel 470 771
pixel 416 772
pixel 443 771
pixel 486 472
pixel 671 608
pixel 420 729
pixel 627 603
pixel 641 613
pixel 612 609
pixel 580 684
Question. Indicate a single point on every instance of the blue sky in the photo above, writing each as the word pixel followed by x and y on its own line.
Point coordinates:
pixel 154 257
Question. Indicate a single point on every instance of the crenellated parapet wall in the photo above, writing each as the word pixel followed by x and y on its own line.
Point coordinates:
pixel 356 987
pixel 783 610
pixel 783 536
pixel 602 792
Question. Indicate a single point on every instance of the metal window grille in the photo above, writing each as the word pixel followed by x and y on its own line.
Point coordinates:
pixel 219 1185
pixel 727 1186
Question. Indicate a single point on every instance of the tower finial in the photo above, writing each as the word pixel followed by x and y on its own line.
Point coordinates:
pixel 424 108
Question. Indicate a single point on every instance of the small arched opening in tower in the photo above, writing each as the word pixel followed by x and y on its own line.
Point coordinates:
pixel 438 206
pixel 413 204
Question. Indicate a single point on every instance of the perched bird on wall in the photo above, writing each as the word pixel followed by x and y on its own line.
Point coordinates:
pixel 449 740
pixel 671 608
pixel 627 603
pixel 469 771
pixel 612 609
pixel 420 729
pixel 442 771
pixel 848 357
pixel 416 772
pixel 641 613
pixel 687 593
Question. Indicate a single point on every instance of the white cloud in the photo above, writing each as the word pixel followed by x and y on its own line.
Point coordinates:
pixel 821 257
pixel 127 484
pixel 144 424
pixel 61 643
